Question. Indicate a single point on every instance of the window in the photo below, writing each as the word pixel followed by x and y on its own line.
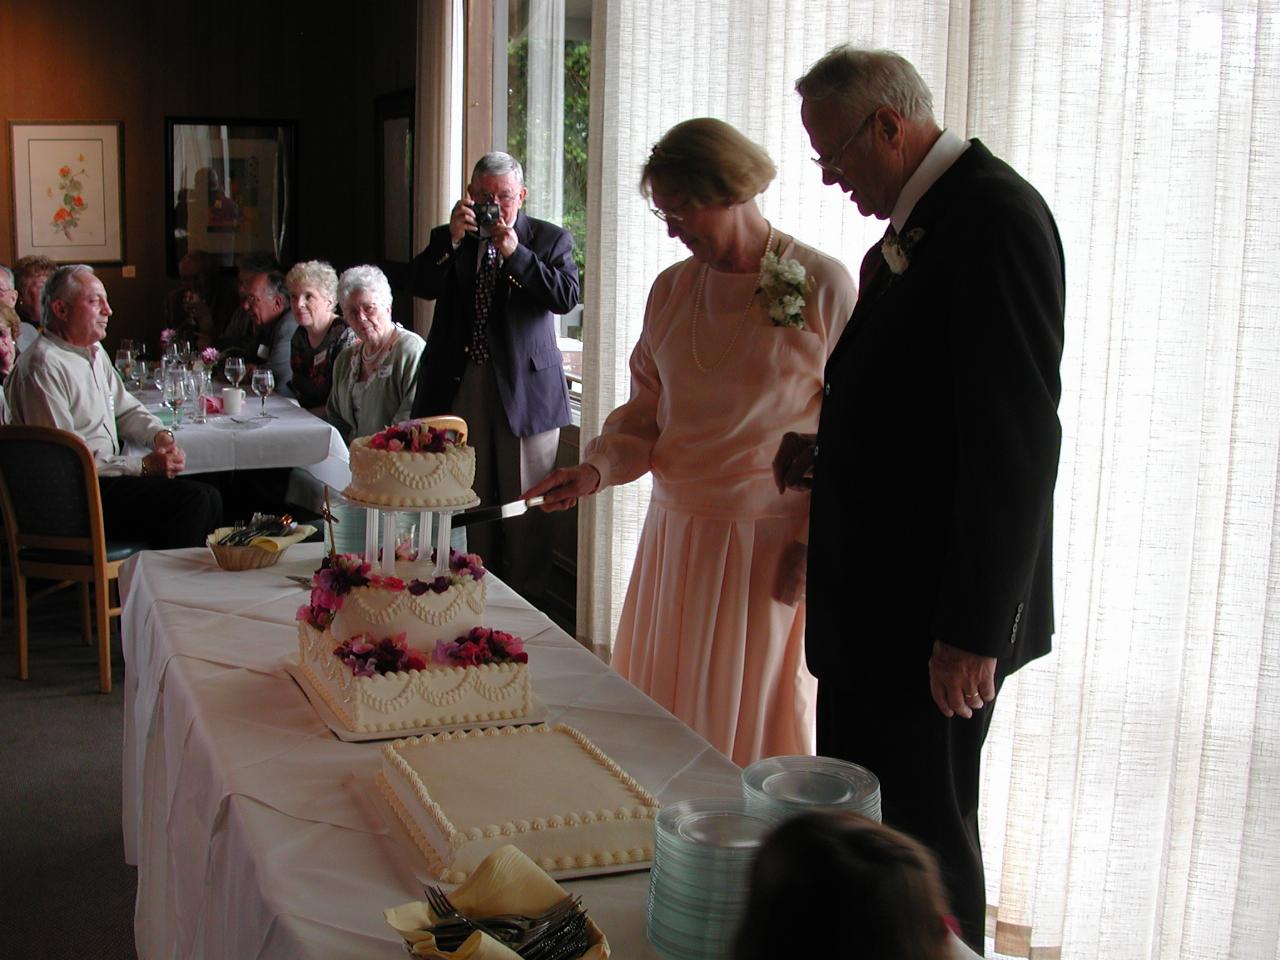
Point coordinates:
pixel 545 82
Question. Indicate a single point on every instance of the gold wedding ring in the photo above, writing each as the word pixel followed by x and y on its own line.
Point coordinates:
pixel 971 696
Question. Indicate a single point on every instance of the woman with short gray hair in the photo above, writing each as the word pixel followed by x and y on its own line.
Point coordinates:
pixel 321 335
pixel 374 378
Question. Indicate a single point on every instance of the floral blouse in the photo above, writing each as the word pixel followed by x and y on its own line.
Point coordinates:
pixel 313 366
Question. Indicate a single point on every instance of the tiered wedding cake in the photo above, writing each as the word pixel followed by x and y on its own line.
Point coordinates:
pixel 403 648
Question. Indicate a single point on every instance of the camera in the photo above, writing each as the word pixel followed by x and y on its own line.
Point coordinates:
pixel 487 214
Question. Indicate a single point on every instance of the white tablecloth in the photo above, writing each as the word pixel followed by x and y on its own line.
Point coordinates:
pixel 296 438
pixel 257 833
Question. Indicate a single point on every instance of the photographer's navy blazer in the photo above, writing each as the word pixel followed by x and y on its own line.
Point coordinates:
pixel 537 281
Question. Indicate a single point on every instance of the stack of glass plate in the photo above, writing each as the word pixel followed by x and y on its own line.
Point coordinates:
pixel 784 786
pixel 703 850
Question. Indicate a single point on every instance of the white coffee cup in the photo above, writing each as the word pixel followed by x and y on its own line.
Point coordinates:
pixel 232 400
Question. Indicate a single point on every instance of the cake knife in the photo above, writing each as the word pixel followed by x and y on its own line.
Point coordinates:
pixel 504 512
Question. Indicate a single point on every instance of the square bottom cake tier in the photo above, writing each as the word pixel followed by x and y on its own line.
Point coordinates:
pixel 547 790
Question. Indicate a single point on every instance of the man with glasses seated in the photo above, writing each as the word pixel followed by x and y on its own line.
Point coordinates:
pixel 66 380
pixel 499 277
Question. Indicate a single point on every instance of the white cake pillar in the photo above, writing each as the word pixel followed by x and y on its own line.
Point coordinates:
pixel 424 534
pixel 370 535
pixel 443 529
pixel 388 542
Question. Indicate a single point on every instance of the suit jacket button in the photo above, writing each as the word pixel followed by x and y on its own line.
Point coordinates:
pixel 815 449
pixel 826 389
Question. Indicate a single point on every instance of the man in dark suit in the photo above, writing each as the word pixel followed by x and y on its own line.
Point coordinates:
pixel 499 277
pixel 933 469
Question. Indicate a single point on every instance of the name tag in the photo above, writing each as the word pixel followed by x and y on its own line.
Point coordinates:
pixel 320 359
pixel 263 351
pixel 384 371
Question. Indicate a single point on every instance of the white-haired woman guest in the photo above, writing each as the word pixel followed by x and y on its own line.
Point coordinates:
pixel 321 333
pixel 374 378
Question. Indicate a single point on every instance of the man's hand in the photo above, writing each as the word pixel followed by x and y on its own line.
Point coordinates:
pixel 961 682
pixel 561 488
pixel 462 220
pixel 503 237
pixel 793 463
pixel 788 582
pixel 166 458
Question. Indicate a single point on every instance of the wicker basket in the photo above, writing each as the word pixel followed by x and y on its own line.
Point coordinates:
pixel 242 558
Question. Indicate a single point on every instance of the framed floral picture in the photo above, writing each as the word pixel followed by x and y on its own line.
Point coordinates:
pixel 68 190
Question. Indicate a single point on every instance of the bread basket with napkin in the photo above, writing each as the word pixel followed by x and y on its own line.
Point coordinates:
pixel 506 883
pixel 260 543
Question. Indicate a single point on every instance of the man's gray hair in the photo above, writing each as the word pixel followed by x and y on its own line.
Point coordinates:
pixel 65 285
pixel 860 80
pixel 498 164
pixel 369 279
pixel 8 273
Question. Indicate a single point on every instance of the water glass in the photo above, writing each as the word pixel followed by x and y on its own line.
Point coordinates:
pixel 124 364
pixel 233 370
pixel 200 385
pixel 264 381
pixel 175 393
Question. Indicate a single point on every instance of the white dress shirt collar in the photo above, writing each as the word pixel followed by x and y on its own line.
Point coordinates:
pixel 945 151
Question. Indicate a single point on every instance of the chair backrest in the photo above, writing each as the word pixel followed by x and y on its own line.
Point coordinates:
pixel 50 490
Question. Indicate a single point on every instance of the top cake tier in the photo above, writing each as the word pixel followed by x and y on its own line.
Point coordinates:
pixel 413 464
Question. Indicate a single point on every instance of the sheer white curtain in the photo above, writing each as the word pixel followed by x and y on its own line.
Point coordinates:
pixel 1130 796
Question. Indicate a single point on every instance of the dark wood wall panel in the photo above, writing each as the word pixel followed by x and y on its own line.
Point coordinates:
pixel 139 61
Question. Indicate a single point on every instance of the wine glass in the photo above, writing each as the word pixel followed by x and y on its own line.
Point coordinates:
pixel 264 381
pixel 185 353
pixel 158 375
pixel 175 394
pixel 124 364
pixel 233 370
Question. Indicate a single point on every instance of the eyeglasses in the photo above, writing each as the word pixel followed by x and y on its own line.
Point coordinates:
pixel 500 198
pixel 666 216
pixel 828 163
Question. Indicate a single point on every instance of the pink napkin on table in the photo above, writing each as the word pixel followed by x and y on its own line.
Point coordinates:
pixel 212 404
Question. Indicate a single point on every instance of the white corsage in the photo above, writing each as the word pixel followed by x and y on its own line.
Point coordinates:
pixel 897 250
pixel 785 286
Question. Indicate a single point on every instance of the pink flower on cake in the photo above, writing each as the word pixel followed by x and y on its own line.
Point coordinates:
pixel 482 645
pixel 388 655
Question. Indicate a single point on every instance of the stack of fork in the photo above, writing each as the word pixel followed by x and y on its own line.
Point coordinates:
pixel 559 933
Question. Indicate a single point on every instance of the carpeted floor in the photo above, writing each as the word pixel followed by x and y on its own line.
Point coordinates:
pixel 65 890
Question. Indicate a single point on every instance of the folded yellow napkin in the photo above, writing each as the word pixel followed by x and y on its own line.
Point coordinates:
pixel 506 881
pixel 268 543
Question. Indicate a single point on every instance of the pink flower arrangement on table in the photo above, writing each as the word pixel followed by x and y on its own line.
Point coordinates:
pixel 414 437
pixel 209 356
pixel 480 646
pixel 342 573
pixel 367 657
pixel 167 334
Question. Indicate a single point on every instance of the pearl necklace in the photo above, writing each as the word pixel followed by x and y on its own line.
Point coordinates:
pixel 746 312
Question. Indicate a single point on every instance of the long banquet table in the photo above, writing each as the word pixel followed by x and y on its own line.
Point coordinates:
pixel 257 833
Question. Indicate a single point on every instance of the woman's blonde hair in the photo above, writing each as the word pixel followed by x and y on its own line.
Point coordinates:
pixel 707 162
pixel 315 273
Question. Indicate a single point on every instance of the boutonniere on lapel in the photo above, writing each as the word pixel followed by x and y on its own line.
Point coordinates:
pixel 897 249
pixel 785 286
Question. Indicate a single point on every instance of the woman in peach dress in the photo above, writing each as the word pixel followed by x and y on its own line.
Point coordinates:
pixel 730 358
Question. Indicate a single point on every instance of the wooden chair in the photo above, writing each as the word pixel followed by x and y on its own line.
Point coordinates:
pixel 53 519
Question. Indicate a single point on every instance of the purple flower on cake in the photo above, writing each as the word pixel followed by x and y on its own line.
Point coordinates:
pixel 388 655
pixel 481 645
pixel 414 437
pixel 337 576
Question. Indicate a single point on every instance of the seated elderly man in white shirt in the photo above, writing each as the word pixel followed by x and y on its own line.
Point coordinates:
pixel 66 380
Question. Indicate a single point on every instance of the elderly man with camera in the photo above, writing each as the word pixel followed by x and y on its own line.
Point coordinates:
pixel 498 278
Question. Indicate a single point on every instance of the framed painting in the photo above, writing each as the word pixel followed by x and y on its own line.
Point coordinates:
pixel 231 189
pixel 393 139
pixel 68 190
